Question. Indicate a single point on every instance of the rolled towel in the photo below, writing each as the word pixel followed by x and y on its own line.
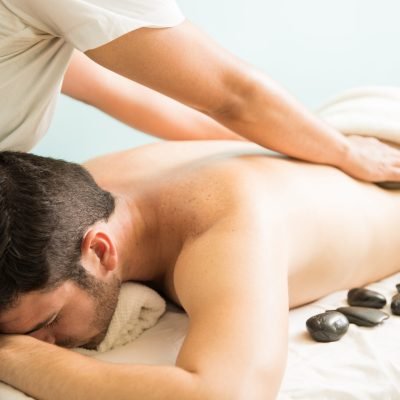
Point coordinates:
pixel 138 308
pixel 367 111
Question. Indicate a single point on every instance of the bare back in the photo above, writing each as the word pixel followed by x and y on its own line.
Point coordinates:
pixel 340 232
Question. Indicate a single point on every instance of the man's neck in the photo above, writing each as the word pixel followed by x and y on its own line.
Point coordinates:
pixel 140 249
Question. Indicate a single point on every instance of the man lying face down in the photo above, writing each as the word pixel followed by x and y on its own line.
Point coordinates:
pixel 234 235
pixel 46 208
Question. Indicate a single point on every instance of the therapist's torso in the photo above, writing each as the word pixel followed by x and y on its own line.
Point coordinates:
pixel 32 64
pixel 37 39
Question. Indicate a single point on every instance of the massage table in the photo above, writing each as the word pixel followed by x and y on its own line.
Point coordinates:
pixel 363 365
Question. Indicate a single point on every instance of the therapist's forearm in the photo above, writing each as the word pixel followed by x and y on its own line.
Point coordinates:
pixel 48 372
pixel 186 65
pixel 268 115
pixel 156 114
pixel 138 106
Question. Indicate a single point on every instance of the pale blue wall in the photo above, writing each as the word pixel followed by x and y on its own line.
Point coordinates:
pixel 314 48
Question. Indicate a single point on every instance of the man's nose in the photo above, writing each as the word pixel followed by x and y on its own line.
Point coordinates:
pixel 45 337
pixel 50 339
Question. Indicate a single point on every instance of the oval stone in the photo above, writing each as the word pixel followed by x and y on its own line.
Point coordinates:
pixel 365 298
pixel 395 305
pixel 398 287
pixel 391 185
pixel 329 326
pixel 363 316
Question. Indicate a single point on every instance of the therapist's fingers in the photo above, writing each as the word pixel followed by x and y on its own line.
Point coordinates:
pixel 370 160
pixel 394 151
pixel 393 174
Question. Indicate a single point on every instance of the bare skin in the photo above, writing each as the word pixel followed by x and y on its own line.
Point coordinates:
pixel 159 96
pixel 307 200
pixel 138 106
pixel 185 64
pixel 233 235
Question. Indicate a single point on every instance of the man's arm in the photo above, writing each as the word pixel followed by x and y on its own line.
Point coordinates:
pixel 138 106
pixel 184 64
pixel 48 372
pixel 232 280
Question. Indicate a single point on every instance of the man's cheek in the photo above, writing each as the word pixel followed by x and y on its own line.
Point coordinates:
pixel 74 335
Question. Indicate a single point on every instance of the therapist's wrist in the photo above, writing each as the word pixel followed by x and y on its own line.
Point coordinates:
pixel 328 147
pixel 341 155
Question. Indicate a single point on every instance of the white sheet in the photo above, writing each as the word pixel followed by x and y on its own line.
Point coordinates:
pixel 363 365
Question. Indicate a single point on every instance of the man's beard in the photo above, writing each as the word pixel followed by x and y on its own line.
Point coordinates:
pixel 105 297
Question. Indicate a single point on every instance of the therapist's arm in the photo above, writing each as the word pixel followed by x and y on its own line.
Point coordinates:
pixel 183 63
pixel 138 106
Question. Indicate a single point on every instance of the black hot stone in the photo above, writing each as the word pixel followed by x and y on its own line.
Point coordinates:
pixel 363 316
pixel 398 287
pixel 329 326
pixel 395 305
pixel 365 298
pixel 389 185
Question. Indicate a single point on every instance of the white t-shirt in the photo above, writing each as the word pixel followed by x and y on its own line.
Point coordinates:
pixel 37 38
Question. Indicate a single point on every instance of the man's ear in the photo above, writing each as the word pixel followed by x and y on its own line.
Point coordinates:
pixel 98 251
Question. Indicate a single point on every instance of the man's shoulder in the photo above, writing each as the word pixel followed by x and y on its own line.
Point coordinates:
pixel 209 189
pixel 197 161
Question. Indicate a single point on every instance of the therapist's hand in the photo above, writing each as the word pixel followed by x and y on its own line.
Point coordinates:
pixel 371 160
pixel 188 66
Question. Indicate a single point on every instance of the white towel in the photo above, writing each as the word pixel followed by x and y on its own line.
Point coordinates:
pixel 367 111
pixel 138 308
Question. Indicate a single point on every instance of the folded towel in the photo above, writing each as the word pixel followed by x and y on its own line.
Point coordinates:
pixel 138 309
pixel 367 111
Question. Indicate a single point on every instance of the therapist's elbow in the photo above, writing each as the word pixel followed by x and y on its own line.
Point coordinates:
pixel 242 91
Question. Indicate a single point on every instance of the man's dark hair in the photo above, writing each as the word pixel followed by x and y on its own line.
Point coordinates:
pixel 46 206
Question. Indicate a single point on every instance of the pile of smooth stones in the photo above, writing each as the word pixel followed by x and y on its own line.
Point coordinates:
pixel 364 310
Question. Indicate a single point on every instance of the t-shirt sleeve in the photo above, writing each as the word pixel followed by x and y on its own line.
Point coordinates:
pixel 88 24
